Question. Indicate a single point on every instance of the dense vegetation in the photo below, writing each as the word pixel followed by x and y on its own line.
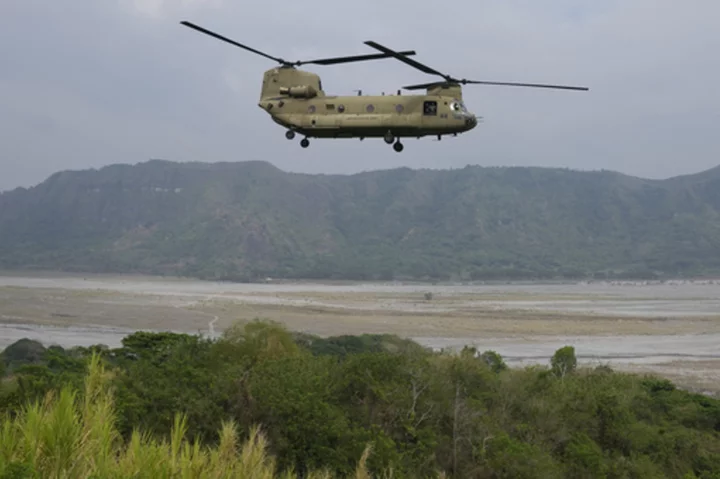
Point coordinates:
pixel 71 436
pixel 246 221
pixel 323 404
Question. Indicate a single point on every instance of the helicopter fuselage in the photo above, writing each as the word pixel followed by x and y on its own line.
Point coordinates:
pixel 295 100
pixel 371 116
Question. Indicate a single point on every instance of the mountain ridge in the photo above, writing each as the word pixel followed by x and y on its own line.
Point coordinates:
pixel 247 220
pixel 715 170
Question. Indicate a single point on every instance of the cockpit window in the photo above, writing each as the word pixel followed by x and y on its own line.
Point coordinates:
pixel 457 106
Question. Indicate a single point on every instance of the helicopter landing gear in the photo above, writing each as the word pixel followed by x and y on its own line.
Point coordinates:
pixel 304 142
pixel 398 146
pixel 389 138
pixel 289 134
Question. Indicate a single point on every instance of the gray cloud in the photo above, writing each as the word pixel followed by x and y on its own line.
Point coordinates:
pixel 92 83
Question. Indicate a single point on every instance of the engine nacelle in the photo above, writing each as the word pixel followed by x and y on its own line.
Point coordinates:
pixel 304 91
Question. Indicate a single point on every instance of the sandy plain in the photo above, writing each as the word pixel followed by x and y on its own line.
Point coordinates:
pixel 672 329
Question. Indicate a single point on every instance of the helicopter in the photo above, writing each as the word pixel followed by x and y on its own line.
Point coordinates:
pixel 295 99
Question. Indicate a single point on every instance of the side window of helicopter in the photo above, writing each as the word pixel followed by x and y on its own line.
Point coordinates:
pixel 430 108
pixel 341 108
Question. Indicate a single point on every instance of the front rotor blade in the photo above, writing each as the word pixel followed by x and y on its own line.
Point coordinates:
pixel 356 58
pixel 534 85
pixel 409 61
pixel 232 42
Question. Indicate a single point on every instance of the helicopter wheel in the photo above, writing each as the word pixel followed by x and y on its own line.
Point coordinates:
pixel 398 146
pixel 304 142
pixel 289 134
pixel 389 138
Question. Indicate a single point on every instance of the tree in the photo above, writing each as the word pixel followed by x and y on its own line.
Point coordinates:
pixel 259 339
pixel 494 361
pixel 564 361
pixel 23 351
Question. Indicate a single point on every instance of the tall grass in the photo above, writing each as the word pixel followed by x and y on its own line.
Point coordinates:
pixel 65 436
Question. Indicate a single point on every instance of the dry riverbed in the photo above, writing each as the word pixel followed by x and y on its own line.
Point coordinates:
pixel 672 329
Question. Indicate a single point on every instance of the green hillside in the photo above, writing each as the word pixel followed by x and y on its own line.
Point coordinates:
pixel 248 220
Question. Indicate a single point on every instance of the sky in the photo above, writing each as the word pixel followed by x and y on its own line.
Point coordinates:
pixel 88 83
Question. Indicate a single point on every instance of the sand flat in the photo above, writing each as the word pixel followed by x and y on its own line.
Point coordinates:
pixel 658 327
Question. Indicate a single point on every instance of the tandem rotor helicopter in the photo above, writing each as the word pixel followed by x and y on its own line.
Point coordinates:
pixel 295 100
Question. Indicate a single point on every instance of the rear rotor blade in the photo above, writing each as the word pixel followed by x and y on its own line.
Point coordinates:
pixel 356 58
pixel 232 42
pixel 409 61
pixel 450 80
pixel 424 86
pixel 534 85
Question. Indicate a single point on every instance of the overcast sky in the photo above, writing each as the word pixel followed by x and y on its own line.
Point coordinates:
pixel 87 83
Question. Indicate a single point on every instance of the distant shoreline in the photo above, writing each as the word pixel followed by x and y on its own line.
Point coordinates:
pixel 51 274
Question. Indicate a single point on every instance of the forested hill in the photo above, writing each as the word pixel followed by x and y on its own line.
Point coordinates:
pixel 249 220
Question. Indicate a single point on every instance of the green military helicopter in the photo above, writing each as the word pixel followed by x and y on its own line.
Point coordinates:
pixel 295 99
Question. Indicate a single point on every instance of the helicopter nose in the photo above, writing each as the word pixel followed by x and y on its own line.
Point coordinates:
pixel 471 121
